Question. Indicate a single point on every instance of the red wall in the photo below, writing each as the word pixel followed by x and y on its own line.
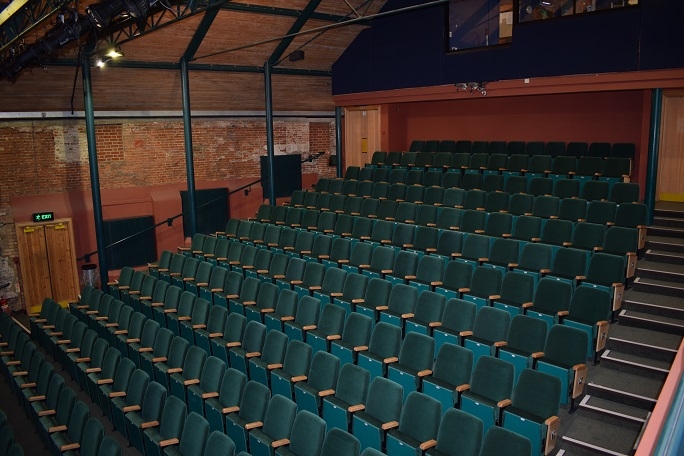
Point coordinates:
pixel 590 117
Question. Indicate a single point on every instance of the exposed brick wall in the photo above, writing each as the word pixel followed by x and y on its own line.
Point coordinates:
pixel 51 156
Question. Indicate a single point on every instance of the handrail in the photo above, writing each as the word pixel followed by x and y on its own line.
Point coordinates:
pixel 169 221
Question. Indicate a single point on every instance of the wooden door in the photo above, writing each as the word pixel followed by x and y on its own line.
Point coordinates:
pixel 47 259
pixel 670 185
pixel 62 260
pixel 361 134
pixel 34 265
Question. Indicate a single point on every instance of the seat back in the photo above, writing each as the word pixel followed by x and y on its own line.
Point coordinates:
pixel 172 418
pixel 491 324
pixel 459 315
pixel 194 362
pixel 385 400
pixel 297 358
pixel 566 346
pixel 194 435
pixel 177 352
pixel 254 401
pixel 323 371
pixel 502 442
pixel 275 346
pixel 552 295
pixel 137 386
pixel 231 388
pixel 453 364
pixel 492 378
pixel 417 352
pixel 420 417
pixel 308 311
pixel 279 417
pixel 153 402
pixel 517 288
pixel 385 341
pixel 537 393
pixel 212 374
pixel 308 433
pixel 331 320
pixel 403 299
pixel 340 443
pixel 352 384
pixel 526 334
pixel 429 307
pixel 459 433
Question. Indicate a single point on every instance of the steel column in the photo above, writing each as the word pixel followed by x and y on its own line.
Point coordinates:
pixel 269 134
pixel 187 131
pixel 338 139
pixel 653 142
pixel 94 171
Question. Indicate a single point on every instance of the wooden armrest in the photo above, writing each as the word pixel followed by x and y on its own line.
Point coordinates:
pixel 537 355
pixel 464 290
pixel 199 326
pixel 334 337
pixel 191 381
pixel 185 318
pixel 19 373
pixel 36 398
pixel 215 335
pixel 295 282
pixel 309 327
pixel 287 318
pixel 358 301
pixel 117 394
pixel 563 313
pixel 144 349
pixel 424 373
pixel 435 324
pixel 274 366
pixel 93 370
pixel 111 325
pixel 174 370
pixel 360 348
pixel 60 428
pixel 356 408
pixel 134 340
pixel 252 354
pixel 69 446
pixel 499 344
pixel 210 395
pixel 27 385
pixel 168 311
pixel 121 331
pixel 231 409
pixel 168 442
pixel 157 304
pixel 63 341
pixel 131 408
pixel 465 333
pixel 389 425
pixel 202 284
pixel 216 290
pixel 47 412
pixel 82 360
pixel 269 310
pixel 390 360
pixel 381 308
pixel 159 359
pixel 527 305
pixel 13 363
pixel 233 344
pixel 279 443
pixel 105 381
pixel 253 425
pixel 407 315
pixel 149 424
pixel 427 445
pixel 327 392
pixel 462 388
pixel 503 403
pixel 298 378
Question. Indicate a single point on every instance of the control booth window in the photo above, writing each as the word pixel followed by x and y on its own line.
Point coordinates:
pixel 533 10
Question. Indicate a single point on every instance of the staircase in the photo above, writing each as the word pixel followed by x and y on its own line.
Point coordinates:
pixel 623 389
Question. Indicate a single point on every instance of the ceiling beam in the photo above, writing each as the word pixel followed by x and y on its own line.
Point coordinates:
pixel 259 9
pixel 23 16
pixel 295 28
pixel 200 33
pixel 140 65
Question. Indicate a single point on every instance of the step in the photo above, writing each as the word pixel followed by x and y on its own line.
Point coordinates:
pixel 657 286
pixel 613 412
pixel 596 435
pixel 655 322
pixel 664 256
pixel 635 364
pixel 667 306
pixel 624 387
pixel 674 210
pixel 665 243
pixel 667 231
pixel 648 268
pixel 643 342
pixel 665 221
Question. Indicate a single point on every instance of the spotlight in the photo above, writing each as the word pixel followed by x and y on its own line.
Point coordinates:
pixel 102 61
pixel 114 52
pixel 101 14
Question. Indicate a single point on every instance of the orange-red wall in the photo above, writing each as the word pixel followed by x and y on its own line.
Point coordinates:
pixel 614 116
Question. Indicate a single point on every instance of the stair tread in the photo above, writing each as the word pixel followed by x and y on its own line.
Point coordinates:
pixel 661 282
pixel 656 318
pixel 664 239
pixel 650 298
pixel 617 407
pixel 645 336
pixel 633 358
pixel 661 266
pixel 626 382
pixel 605 435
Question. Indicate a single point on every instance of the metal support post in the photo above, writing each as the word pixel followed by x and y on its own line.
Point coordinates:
pixel 189 164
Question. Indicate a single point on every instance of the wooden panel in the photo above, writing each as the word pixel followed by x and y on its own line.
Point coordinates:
pixel 33 261
pixel 362 134
pixel 62 258
pixel 670 185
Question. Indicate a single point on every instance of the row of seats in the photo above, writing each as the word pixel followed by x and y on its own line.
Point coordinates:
pixel 400 357
pixel 195 357
pixel 8 446
pixel 259 420
pixel 541 183
pixel 447 239
pixel 63 422
pixel 453 202
pixel 553 148
pixel 451 263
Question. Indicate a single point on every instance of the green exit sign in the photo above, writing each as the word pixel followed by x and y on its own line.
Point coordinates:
pixel 43 216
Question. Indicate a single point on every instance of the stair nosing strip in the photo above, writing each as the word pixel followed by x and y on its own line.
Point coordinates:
pixel 665 254
pixel 592 446
pixel 641 344
pixel 665 323
pixel 606 355
pixel 661 271
pixel 648 304
pixel 609 412
pixel 624 393
pixel 642 281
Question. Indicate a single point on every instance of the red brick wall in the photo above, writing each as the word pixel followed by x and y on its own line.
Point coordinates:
pixel 51 156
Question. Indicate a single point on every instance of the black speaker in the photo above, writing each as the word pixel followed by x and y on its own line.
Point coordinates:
pixel 288 174
pixel 139 250
pixel 213 210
